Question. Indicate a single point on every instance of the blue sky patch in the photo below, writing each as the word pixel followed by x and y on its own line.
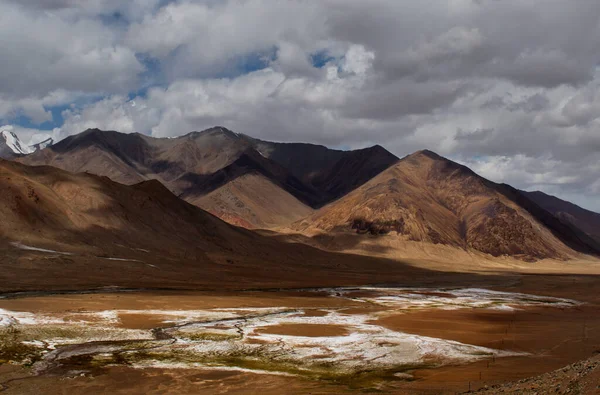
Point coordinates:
pixel 321 58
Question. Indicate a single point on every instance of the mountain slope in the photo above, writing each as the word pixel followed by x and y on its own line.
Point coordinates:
pixel 122 157
pixel 332 172
pixel 253 201
pixel 192 166
pixel 427 198
pixel 195 165
pixel 193 185
pixel 47 205
pixel 64 231
pixel 569 213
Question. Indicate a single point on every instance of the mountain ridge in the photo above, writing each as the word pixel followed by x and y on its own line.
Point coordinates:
pixel 569 213
pixel 422 197
pixel 63 231
pixel 428 198
pixel 196 164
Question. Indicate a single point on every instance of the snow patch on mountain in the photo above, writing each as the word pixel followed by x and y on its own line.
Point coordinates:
pixel 16 146
pixel 42 144
pixel 11 145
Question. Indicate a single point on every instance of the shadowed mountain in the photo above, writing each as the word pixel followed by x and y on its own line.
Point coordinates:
pixel 251 192
pixel 332 172
pixel 202 163
pixel 50 206
pixel 569 213
pixel 427 198
pixel 6 152
pixel 249 161
pixel 65 231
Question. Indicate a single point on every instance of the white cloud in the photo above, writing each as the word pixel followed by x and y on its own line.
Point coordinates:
pixel 576 183
pixel 43 52
pixel 511 83
pixel 196 39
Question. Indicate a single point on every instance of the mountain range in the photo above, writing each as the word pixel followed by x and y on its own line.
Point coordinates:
pixel 230 175
pixel 427 198
pixel 331 197
pixel 61 230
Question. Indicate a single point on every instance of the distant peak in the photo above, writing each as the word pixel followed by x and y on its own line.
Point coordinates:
pixel 428 153
pixel 216 131
pixel 42 144
pixel 375 148
pixel 100 133
pixel 93 130
pixel 11 140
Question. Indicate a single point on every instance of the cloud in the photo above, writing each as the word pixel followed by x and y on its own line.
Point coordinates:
pixel 570 181
pixel 132 9
pixel 509 87
pixel 35 107
pixel 43 53
pixel 203 39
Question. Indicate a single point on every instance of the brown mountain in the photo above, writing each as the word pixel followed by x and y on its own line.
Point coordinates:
pixel 200 166
pixel 252 192
pixel 569 213
pixel 61 230
pixel 47 206
pixel 252 201
pixel 427 198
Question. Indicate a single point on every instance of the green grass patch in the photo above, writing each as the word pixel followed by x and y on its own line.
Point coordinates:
pixel 13 350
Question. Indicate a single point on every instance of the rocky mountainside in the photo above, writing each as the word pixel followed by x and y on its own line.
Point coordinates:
pixel 333 173
pixel 45 205
pixel 65 231
pixel 427 198
pixel 257 184
pixel 569 213
pixel 298 177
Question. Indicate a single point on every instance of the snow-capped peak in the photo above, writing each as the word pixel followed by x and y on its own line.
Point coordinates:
pixel 42 144
pixel 15 145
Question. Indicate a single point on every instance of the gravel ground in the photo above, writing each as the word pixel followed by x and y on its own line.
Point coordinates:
pixel 579 378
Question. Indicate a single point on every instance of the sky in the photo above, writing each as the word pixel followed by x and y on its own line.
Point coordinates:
pixel 508 87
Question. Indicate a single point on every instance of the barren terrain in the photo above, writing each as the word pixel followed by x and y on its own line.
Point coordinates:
pixel 420 340
pixel 129 289
pixel 221 171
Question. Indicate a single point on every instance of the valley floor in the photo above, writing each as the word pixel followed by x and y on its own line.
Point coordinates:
pixel 424 339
